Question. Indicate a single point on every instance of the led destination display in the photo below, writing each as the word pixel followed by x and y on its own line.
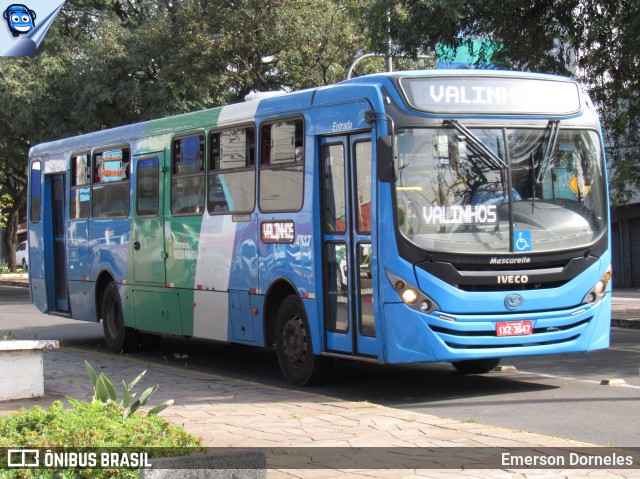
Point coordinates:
pixel 492 95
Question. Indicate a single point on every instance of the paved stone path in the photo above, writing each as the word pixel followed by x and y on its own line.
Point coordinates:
pixel 227 412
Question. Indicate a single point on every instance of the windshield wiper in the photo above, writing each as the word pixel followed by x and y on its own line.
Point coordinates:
pixel 554 128
pixel 478 143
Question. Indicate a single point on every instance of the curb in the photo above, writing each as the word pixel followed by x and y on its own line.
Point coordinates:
pixel 227 465
pixel 631 323
pixel 19 284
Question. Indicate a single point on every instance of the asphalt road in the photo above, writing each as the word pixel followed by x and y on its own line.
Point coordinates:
pixel 558 395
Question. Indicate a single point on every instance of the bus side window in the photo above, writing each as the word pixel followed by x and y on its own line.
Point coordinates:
pixel 232 171
pixel 36 192
pixel 187 175
pixel 147 185
pixel 282 166
pixel 110 189
pixel 80 202
pixel 363 155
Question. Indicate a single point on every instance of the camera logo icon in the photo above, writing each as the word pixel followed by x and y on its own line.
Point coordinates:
pixel 23 458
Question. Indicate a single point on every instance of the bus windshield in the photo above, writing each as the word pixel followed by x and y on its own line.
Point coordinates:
pixel 457 188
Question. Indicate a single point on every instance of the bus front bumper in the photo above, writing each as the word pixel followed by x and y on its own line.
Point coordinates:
pixel 412 336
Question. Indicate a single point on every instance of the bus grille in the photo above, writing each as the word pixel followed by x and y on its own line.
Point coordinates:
pixel 510 287
pixel 490 340
pixel 474 278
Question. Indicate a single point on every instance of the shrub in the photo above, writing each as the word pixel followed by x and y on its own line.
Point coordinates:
pixel 102 423
pixel 4 267
pixel 105 392
pixel 91 425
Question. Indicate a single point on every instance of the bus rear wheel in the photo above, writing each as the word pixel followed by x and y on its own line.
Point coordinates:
pixel 118 337
pixel 299 365
pixel 476 366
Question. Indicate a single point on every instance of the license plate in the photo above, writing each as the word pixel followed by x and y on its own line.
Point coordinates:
pixel 514 328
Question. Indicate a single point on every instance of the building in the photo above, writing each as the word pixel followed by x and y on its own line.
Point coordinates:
pixel 625 244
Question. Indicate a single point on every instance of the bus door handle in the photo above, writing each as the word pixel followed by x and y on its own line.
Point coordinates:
pixel 136 245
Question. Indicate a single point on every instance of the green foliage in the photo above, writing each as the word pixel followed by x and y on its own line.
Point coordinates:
pixel 416 26
pixel 596 41
pixel 6 202
pixel 4 267
pixel 105 393
pixel 91 425
pixel 106 63
pixel 102 423
pixel 608 34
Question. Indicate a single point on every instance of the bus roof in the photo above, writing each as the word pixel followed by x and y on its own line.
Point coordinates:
pixel 460 72
pixel 289 101
pixel 171 124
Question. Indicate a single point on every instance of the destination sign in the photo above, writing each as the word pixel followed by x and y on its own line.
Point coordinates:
pixel 518 96
pixel 460 215
pixel 278 231
pixel 112 166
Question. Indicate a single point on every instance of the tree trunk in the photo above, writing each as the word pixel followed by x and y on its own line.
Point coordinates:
pixel 10 238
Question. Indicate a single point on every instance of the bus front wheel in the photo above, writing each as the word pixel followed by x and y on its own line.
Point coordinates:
pixel 117 336
pixel 476 366
pixel 299 365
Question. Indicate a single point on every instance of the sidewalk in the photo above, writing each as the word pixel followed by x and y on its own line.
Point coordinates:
pixel 14 279
pixel 625 310
pixel 227 412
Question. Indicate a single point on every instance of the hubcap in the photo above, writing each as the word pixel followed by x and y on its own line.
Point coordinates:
pixel 294 341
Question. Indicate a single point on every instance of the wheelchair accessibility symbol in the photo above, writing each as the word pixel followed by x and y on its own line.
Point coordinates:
pixel 522 241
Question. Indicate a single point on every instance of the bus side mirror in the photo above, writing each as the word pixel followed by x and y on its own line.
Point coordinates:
pixel 384 156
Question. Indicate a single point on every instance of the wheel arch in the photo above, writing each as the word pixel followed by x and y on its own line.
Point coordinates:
pixel 277 292
pixel 104 278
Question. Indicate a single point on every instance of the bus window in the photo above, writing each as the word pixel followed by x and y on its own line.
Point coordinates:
pixel 110 190
pixel 80 202
pixel 187 176
pixel 337 281
pixel 335 204
pixel 232 171
pixel 363 175
pixel 147 178
pixel 34 214
pixel 281 166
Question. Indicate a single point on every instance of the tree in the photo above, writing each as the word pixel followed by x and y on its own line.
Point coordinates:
pixel 597 41
pixel 106 63
pixel 12 188
pixel 607 40
pixel 416 26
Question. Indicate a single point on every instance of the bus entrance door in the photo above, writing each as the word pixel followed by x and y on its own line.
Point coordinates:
pixel 148 225
pixel 57 185
pixel 347 247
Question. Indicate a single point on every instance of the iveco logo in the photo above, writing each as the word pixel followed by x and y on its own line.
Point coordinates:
pixel 513 301
pixel 513 279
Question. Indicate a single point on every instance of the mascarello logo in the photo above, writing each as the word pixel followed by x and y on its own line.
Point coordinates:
pixel 24 25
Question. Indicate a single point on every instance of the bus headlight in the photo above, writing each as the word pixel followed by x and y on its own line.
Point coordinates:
pixel 597 292
pixel 411 296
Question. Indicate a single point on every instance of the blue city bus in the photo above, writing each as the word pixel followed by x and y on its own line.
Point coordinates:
pixel 408 217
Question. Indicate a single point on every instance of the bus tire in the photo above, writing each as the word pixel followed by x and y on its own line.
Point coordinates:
pixel 299 365
pixel 118 337
pixel 476 366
